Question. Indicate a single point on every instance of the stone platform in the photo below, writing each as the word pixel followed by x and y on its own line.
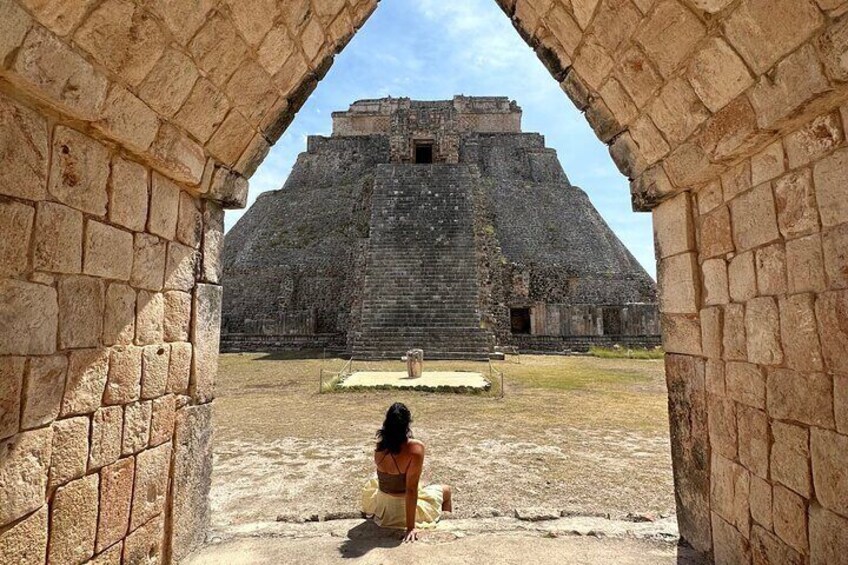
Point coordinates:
pixel 431 381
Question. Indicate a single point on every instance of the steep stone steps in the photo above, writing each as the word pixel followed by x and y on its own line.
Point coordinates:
pixel 420 285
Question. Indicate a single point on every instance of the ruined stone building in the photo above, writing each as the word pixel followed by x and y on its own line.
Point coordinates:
pixel 126 127
pixel 438 225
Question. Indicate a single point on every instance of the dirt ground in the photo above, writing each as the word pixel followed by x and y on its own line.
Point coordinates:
pixel 576 433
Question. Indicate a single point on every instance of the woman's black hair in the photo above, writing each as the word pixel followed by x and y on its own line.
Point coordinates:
pixel 395 430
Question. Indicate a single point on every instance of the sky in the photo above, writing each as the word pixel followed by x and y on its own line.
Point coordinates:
pixel 435 49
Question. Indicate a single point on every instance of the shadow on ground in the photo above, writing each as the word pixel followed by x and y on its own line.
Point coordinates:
pixel 367 536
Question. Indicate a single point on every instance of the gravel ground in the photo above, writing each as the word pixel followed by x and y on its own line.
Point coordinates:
pixel 578 433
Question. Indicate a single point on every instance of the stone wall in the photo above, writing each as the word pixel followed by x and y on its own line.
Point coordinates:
pixel 690 95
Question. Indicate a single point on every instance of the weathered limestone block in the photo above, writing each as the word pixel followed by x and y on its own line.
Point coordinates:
pixel 57 71
pixel 742 277
pixel 795 81
pixel 192 479
pixel 829 176
pixel 150 318
pixel 802 397
pixel 673 227
pixel 729 492
pixel 178 154
pixel 128 120
pixel 79 171
pixel 679 281
pixel 681 334
pixel 229 188
pixel 116 489
pixel 799 333
pixel 152 469
pixel 45 385
pixel 832 316
pixel 722 426
pixel 26 541
pixel 805 264
pixel 715 282
pixel 81 306
pixel 213 242
pixel 136 427
pixel 15 23
pixel 149 257
pixel 24 151
pixel 252 90
pixel 716 237
pixel 711 331
pixel 762 328
pixel 828 536
pixel 835 248
pixel 183 19
pixel 206 333
pixel 29 317
pixel 169 83
pixel 163 419
pixel 718 75
pixel 753 429
pixel 154 374
pixel 111 556
pixel 16 222
pixel 790 518
pixel 124 382
pixel 690 447
pixel 761 505
pixel 108 251
pixel 669 34
pixel 179 371
pixel 790 457
pixel 830 469
pixel 73 521
pixel 177 321
pixel 275 49
pixel 145 545
pixel 128 196
pixel 736 180
pixel 124 38
pixel 294 73
pixel 746 383
pixel 733 332
pixel 763 31
pixel 730 546
pixel 70 450
pixel 11 386
pixel 840 398
pixel 58 239
pixel 204 110
pixel 180 267
pixel 754 218
pixel 24 461
pixel 771 269
pixel 86 381
pixel 190 221
pixel 107 426
pixel 119 315
pixel 715 377
pixel 813 140
pixel 218 49
pixel 164 207
pixel 767 164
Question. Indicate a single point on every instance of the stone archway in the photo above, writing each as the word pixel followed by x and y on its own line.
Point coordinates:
pixel 128 125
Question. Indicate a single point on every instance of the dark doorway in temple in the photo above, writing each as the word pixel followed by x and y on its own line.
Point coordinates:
pixel 520 320
pixel 424 153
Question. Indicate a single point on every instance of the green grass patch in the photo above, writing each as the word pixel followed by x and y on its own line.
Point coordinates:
pixel 627 353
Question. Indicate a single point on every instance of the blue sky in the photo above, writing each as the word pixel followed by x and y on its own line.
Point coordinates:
pixel 434 49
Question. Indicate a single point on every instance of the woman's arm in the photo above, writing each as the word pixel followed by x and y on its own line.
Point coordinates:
pixel 413 475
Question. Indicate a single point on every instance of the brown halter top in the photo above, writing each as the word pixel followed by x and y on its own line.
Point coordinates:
pixel 391 483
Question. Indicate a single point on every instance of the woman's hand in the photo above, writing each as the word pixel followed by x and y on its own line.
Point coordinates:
pixel 411 536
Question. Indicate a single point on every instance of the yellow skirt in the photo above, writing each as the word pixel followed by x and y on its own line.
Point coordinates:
pixel 390 511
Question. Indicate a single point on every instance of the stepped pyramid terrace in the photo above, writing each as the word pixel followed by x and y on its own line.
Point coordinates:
pixel 438 225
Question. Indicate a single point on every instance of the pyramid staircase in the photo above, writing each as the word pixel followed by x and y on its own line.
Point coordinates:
pixel 421 287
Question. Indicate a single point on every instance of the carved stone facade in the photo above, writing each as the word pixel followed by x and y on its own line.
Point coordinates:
pixel 535 246
pixel 727 115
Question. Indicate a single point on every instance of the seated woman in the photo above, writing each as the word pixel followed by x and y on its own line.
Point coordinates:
pixel 394 499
